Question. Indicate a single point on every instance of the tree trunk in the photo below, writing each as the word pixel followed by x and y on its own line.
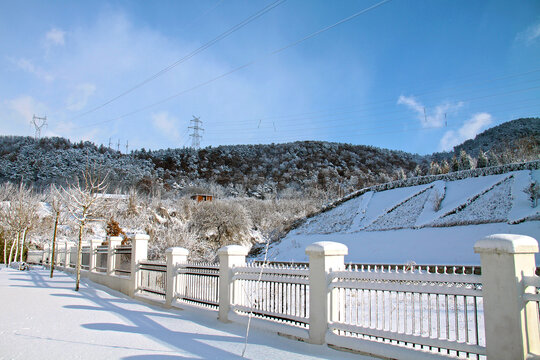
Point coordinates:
pixel 54 244
pixel 12 246
pixel 5 250
pixel 79 259
pixel 17 247
pixel 23 239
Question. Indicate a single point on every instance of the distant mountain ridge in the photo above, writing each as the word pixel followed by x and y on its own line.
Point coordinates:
pixel 253 170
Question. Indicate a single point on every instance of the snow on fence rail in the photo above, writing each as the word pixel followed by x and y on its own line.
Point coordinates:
pixel 435 311
pixel 198 282
pixel 276 292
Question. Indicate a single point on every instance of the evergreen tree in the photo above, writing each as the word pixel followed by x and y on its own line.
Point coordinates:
pixel 454 165
pixel 482 161
pixel 465 161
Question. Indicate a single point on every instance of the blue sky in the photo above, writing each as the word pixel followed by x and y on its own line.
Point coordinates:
pixel 419 76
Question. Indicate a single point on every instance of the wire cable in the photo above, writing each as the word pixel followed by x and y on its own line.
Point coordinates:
pixel 272 53
pixel 187 57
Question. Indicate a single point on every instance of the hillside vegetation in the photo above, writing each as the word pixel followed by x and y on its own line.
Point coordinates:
pixel 261 191
pixel 258 170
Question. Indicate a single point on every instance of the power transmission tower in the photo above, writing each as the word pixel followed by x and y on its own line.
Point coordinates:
pixel 126 146
pixel 39 123
pixel 118 145
pixel 196 137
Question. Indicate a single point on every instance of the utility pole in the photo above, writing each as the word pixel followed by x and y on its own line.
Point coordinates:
pixel 118 146
pixel 109 143
pixel 196 137
pixel 39 123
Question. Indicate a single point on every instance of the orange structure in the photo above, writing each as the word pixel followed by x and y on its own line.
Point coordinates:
pixel 200 197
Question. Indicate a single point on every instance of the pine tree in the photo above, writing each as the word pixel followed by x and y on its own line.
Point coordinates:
pixel 482 160
pixel 454 165
pixel 465 161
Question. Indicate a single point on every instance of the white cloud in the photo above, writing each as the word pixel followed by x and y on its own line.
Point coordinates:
pixel 55 37
pixel 28 66
pixel 530 35
pixel 469 130
pixel 429 117
pixel 16 115
pixel 167 124
pixel 25 107
pixel 78 99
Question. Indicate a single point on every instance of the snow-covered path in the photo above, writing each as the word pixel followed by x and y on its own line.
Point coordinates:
pixel 43 318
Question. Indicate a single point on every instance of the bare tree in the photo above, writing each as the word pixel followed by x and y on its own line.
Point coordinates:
pixel 19 216
pixel 58 208
pixel 84 202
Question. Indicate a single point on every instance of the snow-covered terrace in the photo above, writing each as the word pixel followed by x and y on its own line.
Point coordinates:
pixel 44 318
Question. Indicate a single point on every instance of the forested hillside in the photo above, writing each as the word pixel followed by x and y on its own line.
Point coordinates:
pixel 258 170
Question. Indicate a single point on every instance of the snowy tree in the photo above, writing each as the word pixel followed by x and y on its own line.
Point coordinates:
pixel 465 161
pixel 482 161
pixel 221 223
pixel 533 190
pixel 19 216
pixel 454 164
pixel 434 168
pixel 445 167
pixel 84 202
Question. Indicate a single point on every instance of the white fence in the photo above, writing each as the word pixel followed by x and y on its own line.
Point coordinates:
pixel 436 312
pixel 390 311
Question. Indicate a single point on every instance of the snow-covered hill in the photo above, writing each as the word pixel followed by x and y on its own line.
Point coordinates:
pixel 436 222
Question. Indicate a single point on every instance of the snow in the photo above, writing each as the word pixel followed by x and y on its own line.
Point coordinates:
pixel 444 245
pixel 403 224
pixel 45 318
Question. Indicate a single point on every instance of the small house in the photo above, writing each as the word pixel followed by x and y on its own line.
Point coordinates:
pixel 201 197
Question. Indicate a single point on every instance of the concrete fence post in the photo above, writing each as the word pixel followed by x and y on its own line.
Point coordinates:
pixel 113 242
pixel 139 252
pixel 324 257
pixel 511 324
pixel 94 243
pixel 229 256
pixel 175 256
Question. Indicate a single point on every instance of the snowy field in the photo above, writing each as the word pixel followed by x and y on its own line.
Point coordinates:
pixel 436 223
pixel 45 318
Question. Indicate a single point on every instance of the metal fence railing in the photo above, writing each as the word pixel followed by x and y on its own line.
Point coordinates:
pixel 437 311
pixel 102 254
pixel 275 292
pixel 85 259
pixel 198 282
pixel 122 263
pixel 153 278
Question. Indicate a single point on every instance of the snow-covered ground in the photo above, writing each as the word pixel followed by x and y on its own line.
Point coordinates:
pixel 45 318
pixel 436 223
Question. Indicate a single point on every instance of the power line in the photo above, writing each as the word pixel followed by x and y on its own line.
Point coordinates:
pixel 376 130
pixel 188 56
pixel 239 67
